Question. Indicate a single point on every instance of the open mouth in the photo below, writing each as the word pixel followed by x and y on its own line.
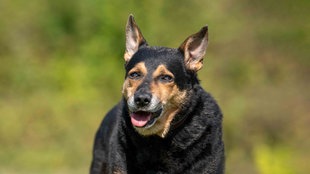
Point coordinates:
pixel 144 119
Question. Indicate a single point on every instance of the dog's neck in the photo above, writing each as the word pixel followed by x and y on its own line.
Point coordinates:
pixel 187 109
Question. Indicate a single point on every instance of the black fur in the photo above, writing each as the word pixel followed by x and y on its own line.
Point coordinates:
pixel 192 145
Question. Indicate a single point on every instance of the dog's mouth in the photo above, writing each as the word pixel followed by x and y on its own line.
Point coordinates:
pixel 144 119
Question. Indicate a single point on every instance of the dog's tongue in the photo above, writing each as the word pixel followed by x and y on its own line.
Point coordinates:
pixel 139 119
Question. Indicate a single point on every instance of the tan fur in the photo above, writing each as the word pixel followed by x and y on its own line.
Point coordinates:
pixel 127 56
pixel 130 86
pixel 118 171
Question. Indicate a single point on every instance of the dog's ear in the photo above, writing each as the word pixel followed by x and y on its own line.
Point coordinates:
pixel 134 38
pixel 194 48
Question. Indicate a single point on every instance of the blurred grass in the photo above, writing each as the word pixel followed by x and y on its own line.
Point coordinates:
pixel 275 160
pixel 61 69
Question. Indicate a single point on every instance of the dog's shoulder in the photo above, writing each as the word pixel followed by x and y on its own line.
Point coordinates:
pixel 111 121
pixel 106 142
pixel 204 105
pixel 210 105
pixel 209 114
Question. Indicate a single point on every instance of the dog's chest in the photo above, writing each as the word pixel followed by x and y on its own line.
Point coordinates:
pixel 159 157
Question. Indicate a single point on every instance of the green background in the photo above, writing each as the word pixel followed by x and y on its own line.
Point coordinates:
pixel 61 69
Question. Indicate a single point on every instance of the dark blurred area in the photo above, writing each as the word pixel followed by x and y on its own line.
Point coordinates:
pixel 61 70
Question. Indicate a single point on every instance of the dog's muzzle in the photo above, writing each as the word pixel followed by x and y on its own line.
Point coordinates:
pixel 144 110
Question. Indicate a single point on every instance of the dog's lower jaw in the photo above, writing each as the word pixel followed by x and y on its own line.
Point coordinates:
pixel 161 126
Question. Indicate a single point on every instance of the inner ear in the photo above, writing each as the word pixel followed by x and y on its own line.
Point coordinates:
pixel 194 49
pixel 134 38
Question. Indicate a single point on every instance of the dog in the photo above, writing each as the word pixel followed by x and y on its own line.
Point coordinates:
pixel 166 122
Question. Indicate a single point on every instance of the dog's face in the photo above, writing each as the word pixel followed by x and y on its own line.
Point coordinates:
pixel 153 89
pixel 157 79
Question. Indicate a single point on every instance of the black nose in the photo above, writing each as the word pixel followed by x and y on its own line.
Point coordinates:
pixel 142 99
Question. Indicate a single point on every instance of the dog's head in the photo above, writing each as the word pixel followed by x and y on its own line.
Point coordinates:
pixel 159 78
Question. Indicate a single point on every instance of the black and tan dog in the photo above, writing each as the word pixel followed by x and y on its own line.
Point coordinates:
pixel 165 123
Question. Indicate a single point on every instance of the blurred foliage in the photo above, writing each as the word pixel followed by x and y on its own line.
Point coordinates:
pixel 61 69
pixel 273 160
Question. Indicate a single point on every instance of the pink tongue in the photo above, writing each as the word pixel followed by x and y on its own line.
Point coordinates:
pixel 140 119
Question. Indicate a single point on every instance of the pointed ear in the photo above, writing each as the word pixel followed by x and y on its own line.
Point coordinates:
pixel 134 38
pixel 194 48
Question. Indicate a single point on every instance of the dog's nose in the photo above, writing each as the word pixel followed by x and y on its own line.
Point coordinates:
pixel 142 100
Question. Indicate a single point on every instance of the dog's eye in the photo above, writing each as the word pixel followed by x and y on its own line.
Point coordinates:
pixel 166 78
pixel 135 75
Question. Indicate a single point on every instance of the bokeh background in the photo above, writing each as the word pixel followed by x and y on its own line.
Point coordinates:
pixel 61 69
